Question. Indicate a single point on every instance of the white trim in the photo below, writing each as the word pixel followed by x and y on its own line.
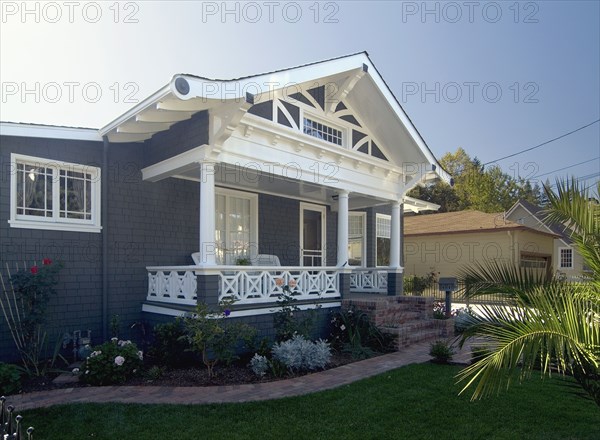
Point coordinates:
pixel 323 210
pixel 176 164
pixel 56 223
pixel 49 132
pixel 559 262
pixel 167 311
pixel 363 257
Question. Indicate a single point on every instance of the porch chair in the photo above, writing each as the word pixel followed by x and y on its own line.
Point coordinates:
pixel 266 260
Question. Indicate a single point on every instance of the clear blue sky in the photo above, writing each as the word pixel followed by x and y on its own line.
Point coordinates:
pixel 446 62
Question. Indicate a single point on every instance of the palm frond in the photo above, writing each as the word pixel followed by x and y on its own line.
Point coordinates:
pixel 503 278
pixel 555 330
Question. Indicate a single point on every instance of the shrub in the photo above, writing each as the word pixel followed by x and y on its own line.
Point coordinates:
pixel 289 320
pixel 353 332
pixel 214 336
pixel 441 351
pixel 24 305
pixel 113 362
pixel 259 365
pixel 155 372
pixel 170 346
pixel 299 354
pixel 464 318
pixel 10 379
pixel 439 310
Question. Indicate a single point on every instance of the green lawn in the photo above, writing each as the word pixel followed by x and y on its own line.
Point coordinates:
pixel 414 402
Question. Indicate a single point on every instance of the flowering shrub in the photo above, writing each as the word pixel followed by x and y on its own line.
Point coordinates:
pixel 353 332
pixel 24 309
pixel 299 354
pixel 113 362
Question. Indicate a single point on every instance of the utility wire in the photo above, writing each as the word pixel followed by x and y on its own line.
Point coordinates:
pixel 565 168
pixel 544 143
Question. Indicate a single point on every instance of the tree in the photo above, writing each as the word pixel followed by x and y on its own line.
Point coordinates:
pixel 476 187
pixel 551 324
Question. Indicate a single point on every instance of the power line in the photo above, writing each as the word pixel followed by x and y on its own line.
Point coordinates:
pixel 544 143
pixel 565 168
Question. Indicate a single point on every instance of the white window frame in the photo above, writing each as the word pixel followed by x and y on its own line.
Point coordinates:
pixel 363 257
pixel 387 217
pixel 253 198
pixel 55 223
pixel 560 265
pixel 307 115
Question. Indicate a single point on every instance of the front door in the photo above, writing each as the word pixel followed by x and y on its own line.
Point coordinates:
pixel 312 235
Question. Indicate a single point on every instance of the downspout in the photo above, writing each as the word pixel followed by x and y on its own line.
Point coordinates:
pixel 104 208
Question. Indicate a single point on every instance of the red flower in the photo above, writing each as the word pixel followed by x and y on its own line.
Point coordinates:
pixel 34 269
pixel 46 261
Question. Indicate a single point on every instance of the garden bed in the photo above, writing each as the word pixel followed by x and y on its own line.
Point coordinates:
pixel 191 376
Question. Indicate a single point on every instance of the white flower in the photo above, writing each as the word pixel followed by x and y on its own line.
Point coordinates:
pixel 87 346
pixel 119 360
pixel 141 355
pixel 75 371
pixel 124 343
pixel 114 339
pixel 342 327
pixel 87 371
pixel 95 353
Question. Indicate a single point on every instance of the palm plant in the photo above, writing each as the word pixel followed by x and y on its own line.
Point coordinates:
pixel 549 324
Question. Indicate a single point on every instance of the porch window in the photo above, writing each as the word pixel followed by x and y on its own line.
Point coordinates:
pixel 565 258
pixel 235 225
pixel 383 232
pixel 54 195
pixel 356 238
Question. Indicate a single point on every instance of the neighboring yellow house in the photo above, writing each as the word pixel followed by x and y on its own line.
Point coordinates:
pixel 567 261
pixel 444 243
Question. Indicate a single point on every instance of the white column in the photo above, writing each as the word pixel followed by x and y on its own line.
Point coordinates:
pixel 395 236
pixel 207 214
pixel 342 230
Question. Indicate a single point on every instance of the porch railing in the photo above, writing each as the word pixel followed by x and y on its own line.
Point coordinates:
pixel 368 280
pixel 176 284
pixel 264 284
pixel 243 284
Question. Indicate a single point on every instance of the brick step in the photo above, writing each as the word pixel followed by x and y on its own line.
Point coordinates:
pixel 427 330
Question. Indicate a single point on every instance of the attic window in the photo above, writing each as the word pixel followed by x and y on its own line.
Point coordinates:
pixel 322 131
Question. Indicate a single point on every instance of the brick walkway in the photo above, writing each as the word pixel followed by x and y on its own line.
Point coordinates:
pixel 310 383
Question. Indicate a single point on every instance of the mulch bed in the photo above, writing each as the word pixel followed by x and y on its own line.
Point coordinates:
pixel 193 376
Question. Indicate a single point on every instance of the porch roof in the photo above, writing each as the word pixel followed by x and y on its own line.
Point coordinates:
pixel 186 95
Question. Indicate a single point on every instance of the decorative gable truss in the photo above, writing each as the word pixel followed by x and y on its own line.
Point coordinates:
pixel 317 113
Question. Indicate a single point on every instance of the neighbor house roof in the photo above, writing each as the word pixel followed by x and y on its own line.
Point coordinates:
pixel 538 212
pixel 470 221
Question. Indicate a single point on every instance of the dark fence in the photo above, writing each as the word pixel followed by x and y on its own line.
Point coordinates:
pixel 414 287
pixel 11 426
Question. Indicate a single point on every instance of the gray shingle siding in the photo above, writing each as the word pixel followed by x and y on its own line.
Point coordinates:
pixel 181 137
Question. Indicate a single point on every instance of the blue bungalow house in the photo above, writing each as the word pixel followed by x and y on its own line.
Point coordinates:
pixel 213 189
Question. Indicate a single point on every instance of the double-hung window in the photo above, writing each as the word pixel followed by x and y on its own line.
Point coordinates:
pixel 383 232
pixel 54 195
pixel 357 238
pixel 236 225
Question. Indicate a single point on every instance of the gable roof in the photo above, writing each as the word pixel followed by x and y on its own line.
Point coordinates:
pixel 538 213
pixel 470 221
pixel 352 76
